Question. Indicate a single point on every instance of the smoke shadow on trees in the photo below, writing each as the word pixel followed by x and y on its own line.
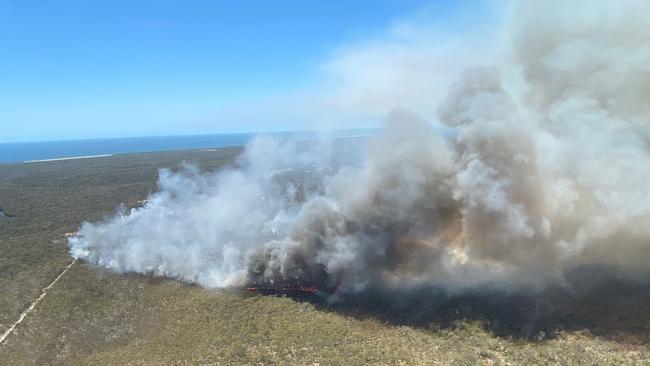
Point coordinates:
pixel 594 300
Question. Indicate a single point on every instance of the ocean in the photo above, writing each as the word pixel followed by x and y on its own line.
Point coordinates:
pixel 73 149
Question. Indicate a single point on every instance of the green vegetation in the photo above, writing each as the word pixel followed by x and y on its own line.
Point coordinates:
pixel 51 198
pixel 96 317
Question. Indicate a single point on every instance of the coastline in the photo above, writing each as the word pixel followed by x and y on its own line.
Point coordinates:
pixel 44 151
pixel 66 158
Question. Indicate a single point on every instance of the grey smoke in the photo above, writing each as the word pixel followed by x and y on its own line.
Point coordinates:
pixel 547 170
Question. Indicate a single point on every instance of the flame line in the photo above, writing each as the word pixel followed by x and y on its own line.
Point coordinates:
pixel 311 290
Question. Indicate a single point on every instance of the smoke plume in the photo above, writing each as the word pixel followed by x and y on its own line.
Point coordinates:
pixel 545 168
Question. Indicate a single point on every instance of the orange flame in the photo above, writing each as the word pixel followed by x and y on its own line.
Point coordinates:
pixel 286 289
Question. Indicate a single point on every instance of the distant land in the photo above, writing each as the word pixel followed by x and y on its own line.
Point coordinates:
pixel 19 152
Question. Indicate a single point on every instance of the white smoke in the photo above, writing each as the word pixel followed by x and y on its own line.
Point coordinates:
pixel 543 172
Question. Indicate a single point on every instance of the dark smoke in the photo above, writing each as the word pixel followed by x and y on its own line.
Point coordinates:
pixel 543 175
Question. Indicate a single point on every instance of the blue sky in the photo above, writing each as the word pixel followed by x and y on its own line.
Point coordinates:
pixel 92 69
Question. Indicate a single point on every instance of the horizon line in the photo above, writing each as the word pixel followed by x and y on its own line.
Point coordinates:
pixel 189 135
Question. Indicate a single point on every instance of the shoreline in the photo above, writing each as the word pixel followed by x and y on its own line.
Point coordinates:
pixel 214 149
pixel 30 152
pixel 63 158
pixel 121 154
